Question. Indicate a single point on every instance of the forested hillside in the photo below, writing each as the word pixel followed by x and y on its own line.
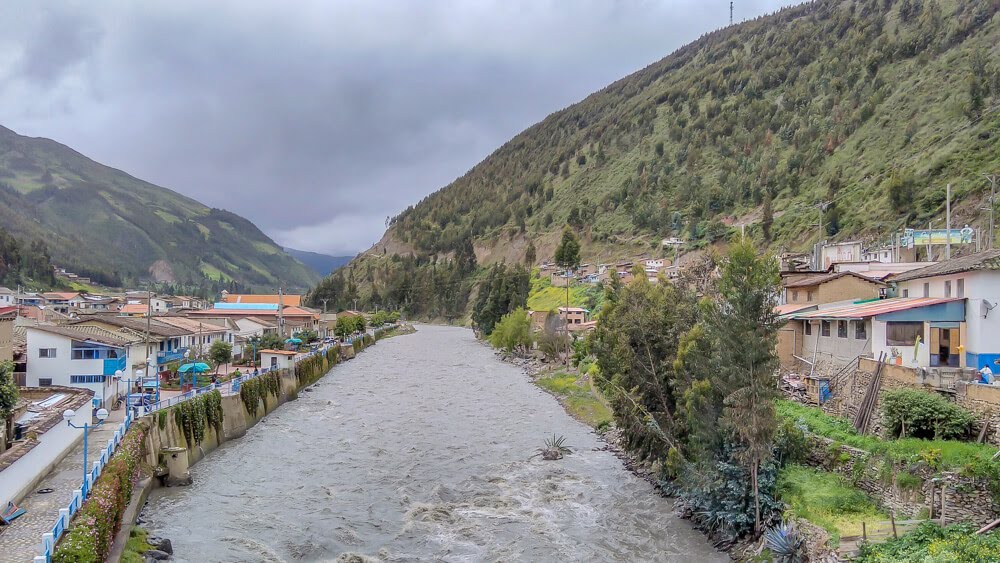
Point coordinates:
pixel 865 109
pixel 119 230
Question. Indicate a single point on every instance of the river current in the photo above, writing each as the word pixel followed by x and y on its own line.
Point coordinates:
pixel 419 450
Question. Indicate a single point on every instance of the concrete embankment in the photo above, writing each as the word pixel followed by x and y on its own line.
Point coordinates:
pixel 184 435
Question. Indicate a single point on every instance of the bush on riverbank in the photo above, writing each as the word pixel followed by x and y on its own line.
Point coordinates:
pixel 195 416
pixel 94 527
pixel 254 391
pixel 577 396
pixel 309 370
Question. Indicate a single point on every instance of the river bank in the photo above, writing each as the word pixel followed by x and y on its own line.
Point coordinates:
pixel 420 449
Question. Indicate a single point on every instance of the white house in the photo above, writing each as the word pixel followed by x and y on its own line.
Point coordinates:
pixel 277 359
pixel 6 297
pixel 655 264
pixel 84 357
pixel 974 278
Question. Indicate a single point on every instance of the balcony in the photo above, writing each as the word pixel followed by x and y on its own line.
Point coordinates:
pixel 111 365
pixel 168 356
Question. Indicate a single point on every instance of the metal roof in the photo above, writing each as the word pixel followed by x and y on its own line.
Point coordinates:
pixel 988 260
pixel 823 278
pixel 865 309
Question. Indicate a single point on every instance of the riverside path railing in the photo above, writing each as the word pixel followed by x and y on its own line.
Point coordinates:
pixel 51 538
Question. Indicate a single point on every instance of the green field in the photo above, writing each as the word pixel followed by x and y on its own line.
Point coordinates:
pixel 581 400
pixel 827 500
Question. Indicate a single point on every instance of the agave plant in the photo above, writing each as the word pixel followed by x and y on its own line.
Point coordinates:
pixel 785 543
pixel 555 448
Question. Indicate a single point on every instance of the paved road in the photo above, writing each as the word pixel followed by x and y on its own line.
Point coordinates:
pixel 22 541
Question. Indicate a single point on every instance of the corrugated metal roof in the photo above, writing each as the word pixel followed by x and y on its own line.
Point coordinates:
pixel 872 308
pixel 816 280
pixel 792 307
pixel 988 260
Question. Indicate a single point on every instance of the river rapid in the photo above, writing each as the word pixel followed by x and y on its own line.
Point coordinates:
pixel 419 450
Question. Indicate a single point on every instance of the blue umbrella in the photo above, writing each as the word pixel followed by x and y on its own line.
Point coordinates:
pixel 294 341
pixel 197 367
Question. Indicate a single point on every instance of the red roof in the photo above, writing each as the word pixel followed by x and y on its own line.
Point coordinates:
pixel 871 308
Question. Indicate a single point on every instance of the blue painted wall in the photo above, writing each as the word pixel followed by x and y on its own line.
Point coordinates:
pixel 979 360
pixel 951 311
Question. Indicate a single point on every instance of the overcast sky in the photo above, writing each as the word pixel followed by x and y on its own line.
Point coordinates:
pixel 316 120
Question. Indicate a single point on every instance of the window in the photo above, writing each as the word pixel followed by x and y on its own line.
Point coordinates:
pixel 795 295
pixel 824 328
pixel 841 329
pixel 809 327
pixel 900 333
pixel 947 288
pixel 77 379
pixel 45 382
pixel 809 296
pixel 906 293
pixel 927 289
pixel 860 331
pixel 961 287
pixel 47 353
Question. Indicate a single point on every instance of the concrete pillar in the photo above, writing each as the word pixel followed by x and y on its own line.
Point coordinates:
pixel 178 473
pixel 64 516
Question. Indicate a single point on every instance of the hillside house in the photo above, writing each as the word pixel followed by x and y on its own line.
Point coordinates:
pixel 834 335
pixel 975 279
pixel 62 302
pixel 574 315
pixel 7 297
pixel 831 287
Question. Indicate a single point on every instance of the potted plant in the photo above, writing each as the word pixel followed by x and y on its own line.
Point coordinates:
pixel 897 358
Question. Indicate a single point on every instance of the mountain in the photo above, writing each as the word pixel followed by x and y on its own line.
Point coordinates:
pixel 102 222
pixel 865 109
pixel 322 264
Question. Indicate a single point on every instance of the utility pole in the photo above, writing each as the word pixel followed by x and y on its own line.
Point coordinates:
pixel 730 12
pixel 947 223
pixel 281 313
pixel 324 305
pixel 993 193
pixel 930 227
pixel 149 318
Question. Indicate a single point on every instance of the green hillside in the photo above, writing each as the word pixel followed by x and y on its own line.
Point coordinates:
pixel 117 229
pixel 871 105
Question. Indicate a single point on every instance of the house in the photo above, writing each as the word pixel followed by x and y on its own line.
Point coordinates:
pixel 277 359
pixel 95 303
pixel 7 297
pixel 559 278
pixel 286 300
pixel 62 301
pixel 655 264
pixel 133 310
pixel 289 317
pixel 913 331
pixel 167 343
pixel 573 316
pixel 83 356
pixel 976 280
pixel 831 253
pixel 831 287
pixel 7 316
pixel 201 333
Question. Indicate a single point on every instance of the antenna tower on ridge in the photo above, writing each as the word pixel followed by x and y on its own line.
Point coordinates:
pixel 730 12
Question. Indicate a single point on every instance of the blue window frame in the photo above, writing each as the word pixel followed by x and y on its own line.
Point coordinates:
pixel 77 379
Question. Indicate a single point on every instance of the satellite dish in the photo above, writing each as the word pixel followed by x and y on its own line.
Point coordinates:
pixel 985 307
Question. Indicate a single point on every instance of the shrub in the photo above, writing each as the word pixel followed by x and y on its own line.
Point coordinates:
pixel 910 412
pixel 93 529
pixel 930 542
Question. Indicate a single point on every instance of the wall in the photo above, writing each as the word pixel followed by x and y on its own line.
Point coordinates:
pixel 965 499
pixel 833 352
pixel 53 445
pixel 847 288
pixel 6 339
pixel 60 368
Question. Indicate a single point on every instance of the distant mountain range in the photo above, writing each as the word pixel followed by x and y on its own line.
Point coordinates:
pixel 322 264
pixel 104 223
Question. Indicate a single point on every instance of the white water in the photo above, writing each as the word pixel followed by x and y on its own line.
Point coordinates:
pixel 418 450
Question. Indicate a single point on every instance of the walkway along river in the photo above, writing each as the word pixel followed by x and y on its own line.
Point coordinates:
pixel 417 450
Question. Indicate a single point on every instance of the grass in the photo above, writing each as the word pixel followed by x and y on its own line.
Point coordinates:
pixel 136 546
pixel 827 500
pixel 578 397
pixel 948 454
pixel 544 297
pixel 214 273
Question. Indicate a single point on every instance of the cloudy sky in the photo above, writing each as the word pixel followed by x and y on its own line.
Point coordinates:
pixel 316 120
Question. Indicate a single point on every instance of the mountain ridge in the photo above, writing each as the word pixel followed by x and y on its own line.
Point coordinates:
pixel 121 230
pixel 322 264
pixel 828 120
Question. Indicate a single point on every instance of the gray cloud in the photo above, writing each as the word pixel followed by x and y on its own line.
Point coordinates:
pixel 316 120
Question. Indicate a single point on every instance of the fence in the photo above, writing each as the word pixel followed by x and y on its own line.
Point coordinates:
pixel 49 539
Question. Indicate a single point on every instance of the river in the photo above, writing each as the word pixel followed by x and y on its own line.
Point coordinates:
pixel 419 450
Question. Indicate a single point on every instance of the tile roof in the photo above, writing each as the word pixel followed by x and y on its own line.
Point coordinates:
pixel 64 295
pixel 792 307
pixel 989 260
pixel 156 328
pixel 76 333
pixel 287 300
pixel 279 352
pixel 824 278
pixel 191 325
pixel 865 309
pixel 134 309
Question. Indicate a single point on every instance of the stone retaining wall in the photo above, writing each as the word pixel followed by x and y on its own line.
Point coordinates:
pixel 966 499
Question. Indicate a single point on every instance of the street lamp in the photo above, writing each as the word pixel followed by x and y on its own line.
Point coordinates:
pixel 151 368
pixel 187 359
pixel 68 415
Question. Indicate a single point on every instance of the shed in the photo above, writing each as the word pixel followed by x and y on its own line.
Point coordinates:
pixel 277 359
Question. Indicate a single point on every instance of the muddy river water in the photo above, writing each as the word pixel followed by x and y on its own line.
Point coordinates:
pixel 419 450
